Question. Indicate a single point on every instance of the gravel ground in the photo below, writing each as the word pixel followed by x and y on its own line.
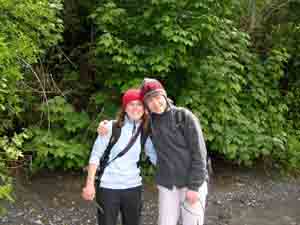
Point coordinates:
pixel 237 197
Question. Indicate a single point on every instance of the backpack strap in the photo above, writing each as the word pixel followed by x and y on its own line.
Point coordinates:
pixel 145 133
pixel 115 135
pixel 180 119
pixel 129 145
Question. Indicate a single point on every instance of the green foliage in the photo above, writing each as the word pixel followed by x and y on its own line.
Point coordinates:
pixel 275 25
pixel 238 100
pixel 11 150
pixel 293 100
pixel 62 140
pixel 10 74
pixel 5 189
pixel 103 102
pixel 207 63
pixel 31 27
pixel 61 113
pixel 234 65
pixel 52 150
pixel 27 29
pixel 147 169
pixel 151 39
pixel 291 159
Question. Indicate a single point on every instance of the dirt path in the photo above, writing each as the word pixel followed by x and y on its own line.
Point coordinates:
pixel 237 197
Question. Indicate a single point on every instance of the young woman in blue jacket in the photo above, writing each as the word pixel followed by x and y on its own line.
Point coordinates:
pixel 120 187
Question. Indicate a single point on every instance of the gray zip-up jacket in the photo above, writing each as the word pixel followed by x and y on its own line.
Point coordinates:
pixel 181 150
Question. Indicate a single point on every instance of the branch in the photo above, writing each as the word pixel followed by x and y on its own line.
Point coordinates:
pixel 273 7
pixel 43 89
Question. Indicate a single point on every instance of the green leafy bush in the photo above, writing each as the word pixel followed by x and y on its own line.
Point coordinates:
pixel 11 153
pixel 27 29
pixel 52 149
pixel 5 189
pixel 61 141
pixel 207 64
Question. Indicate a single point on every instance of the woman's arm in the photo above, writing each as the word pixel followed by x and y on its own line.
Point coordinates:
pixel 88 192
pixel 150 151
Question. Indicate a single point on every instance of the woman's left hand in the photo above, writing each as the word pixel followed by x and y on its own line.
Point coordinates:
pixel 88 192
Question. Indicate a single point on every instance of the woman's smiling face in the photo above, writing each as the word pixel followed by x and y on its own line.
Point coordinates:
pixel 135 110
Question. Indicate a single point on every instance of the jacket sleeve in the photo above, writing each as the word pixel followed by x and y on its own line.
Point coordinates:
pixel 100 145
pixel 150 151
pixel 196 144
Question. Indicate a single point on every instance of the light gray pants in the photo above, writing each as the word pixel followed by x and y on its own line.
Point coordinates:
pixel 172 205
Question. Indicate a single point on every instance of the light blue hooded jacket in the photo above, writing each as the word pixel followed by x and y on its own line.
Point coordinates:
pixel 122 173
